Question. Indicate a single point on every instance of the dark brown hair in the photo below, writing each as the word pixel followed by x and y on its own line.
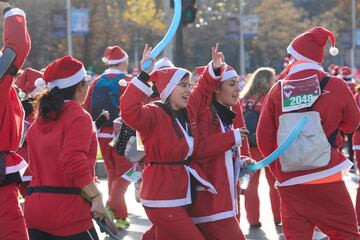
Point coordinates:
pixel 50 103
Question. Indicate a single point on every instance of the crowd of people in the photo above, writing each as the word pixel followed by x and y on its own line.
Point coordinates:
pixel 184 138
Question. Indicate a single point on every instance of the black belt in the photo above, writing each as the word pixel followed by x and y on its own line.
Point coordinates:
pixel 52 189
pixel 185 162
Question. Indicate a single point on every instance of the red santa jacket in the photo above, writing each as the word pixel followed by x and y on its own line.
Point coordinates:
pixel 104 132
pixel 62 153
pixel 167 185
pixel 337 110
pixel 215 157
pixel 17 38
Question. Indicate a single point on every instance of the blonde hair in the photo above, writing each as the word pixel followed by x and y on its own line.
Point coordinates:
pixel 259 83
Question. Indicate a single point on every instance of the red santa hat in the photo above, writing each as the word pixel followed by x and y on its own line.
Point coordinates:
pixel 114 55
pixel 27 81
pixel 166 79
pixel 163 63
pixel 345 72
pixel 309 46
pixel 64 72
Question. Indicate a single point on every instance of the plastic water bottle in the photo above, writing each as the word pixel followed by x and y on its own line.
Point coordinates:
pixel 244 181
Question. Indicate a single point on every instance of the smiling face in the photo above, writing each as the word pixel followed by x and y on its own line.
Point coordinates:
pixel 228 92
pixel 179 97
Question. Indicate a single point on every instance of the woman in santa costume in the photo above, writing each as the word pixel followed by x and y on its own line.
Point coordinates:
pixel 253 96
pixel 218 154
pixel 116 60
pixel 316 195
pixel 62 152
pixel 28 89
pixel 169 132
pixel 12 57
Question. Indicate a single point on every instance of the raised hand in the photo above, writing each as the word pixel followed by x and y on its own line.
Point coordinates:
pixel 145 58
pixel 218 59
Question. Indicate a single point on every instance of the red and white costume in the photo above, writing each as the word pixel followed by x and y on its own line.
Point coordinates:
pixel 356 148
pixel 166 188
pixel 219 161
pixel 115 164
pixel 62 153
pixel 315 197
pixel 16 37
pixel 26 83
pixel 252 201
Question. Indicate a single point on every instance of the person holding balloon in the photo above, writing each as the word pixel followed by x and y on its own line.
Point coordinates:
pixel 169 132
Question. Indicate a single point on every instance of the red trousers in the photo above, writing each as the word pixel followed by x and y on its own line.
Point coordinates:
pixel 326 206
pixel 225 229
pixel 252 201
pixel 173 223
pixel 149 234
pixel 116 166
pixel 12 223
pixel 356 147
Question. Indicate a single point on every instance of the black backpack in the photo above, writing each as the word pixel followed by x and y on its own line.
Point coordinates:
pixel 251 117
pixel 105 96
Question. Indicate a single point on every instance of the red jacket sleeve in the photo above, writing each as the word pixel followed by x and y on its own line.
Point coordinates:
pixel 17 38
pixel 77 142
pixel 202 93
pixel 351 115
pixel 134 112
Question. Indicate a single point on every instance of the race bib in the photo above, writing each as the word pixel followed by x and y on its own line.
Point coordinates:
pixel 299 93
pixel 133 175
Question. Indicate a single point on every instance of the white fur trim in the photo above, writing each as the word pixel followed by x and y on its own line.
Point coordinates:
pixel 176 78
pixel 40 82
pixel 345 165
pixel 122 83
pixel 1 53
pixel 297 55
pixel 16 168
pixel 13 12
pixel 104 135
pixel 162 63
pixel 26 178
pixel 212 73
pixel 113 71
pixel 333 51
pixel 69 81
pixel 142 86
pixel 237 136
pixel 207 184
pixel 115 61
pixel 172 202
pixel 228 75
pixel 346 76
pixel 356 147
pixel 214 217
pixel 22 94
pixel 305 66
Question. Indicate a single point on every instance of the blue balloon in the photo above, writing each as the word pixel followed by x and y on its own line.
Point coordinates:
pixel 168 36
pixel 280 150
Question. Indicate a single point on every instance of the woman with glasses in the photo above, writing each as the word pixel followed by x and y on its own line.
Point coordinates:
pixel 62 152
pixel 169 132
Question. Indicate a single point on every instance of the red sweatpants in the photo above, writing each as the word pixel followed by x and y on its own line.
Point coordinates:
pixel 12 223
pixel 116 166
pixel 173 223
pixel 252 201
pixel 356 148
pixel 149 234
pixel 225 229
pixel 326 206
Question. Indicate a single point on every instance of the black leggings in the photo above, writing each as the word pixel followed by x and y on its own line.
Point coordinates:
pixel 36 234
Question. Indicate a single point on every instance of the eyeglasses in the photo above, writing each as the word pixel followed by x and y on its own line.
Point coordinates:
pixel 186 85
